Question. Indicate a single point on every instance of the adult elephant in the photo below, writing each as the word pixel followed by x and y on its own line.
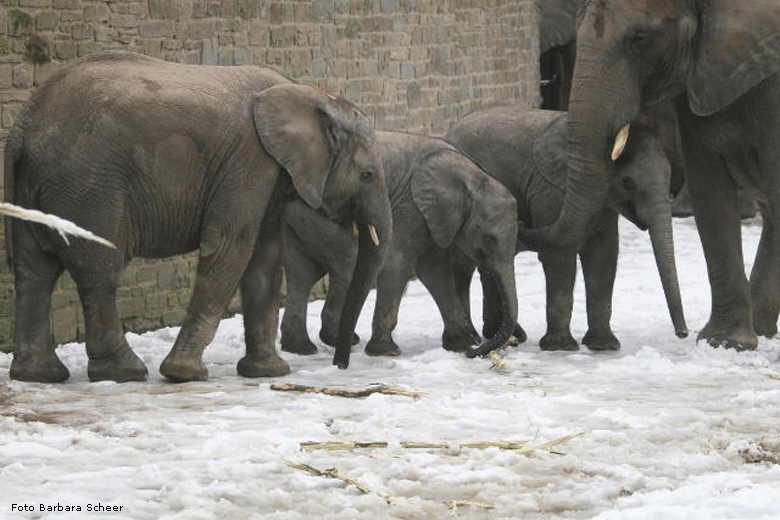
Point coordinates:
pixel 525 150
pixel 444 206
pixel 162 159
pixel 718 60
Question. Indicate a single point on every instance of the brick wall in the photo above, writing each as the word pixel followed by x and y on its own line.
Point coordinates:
pixel 411 65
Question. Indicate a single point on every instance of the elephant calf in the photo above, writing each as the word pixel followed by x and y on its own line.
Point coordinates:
pixel 443 206
pixel 525 149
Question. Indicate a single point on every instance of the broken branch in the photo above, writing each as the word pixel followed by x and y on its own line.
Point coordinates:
pixel 365 392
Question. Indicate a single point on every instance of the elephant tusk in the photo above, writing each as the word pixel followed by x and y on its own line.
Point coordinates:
pixel 355 230
pixel 372 232
pixel 620 142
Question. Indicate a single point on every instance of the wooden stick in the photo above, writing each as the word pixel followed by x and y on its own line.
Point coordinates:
pixel 516 446
pixel 498 361
pixel 345 446
pixel 454 504
pixel 339 475
pixel 365 392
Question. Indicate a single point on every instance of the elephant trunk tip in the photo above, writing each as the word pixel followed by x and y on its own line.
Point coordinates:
pixel 682 332
pixel 340 359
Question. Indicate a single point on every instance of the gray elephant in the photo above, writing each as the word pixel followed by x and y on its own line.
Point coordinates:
pixel 443 206
pixel 525 150
pixel 162 159
pixel 718 60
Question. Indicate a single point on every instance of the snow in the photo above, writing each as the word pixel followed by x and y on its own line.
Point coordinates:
pixel 669 428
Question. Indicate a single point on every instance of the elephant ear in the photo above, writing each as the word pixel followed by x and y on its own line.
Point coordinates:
pixel 304 128
pixel 738 47
pixel 440 195
pixel 558 23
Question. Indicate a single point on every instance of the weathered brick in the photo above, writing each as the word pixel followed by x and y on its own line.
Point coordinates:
pixel 81 31
pixel 96 13
pixel 23 76
pixel 156 29
pixel 46 20
pixel 6 76
pixel 35 3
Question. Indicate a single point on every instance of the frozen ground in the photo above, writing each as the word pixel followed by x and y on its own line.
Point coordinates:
pixel 670 429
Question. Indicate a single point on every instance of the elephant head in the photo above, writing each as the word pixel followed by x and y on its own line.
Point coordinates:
pixel 640 191
pixel 633 53
pixel 329 150
pixel 466 209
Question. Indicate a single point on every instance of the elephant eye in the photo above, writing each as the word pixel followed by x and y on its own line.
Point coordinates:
pixel 639 42
pixel 628 184
pixel 367 177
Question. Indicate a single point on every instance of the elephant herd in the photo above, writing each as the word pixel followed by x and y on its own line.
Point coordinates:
pixel 263 175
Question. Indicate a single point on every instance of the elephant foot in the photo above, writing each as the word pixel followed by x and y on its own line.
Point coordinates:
pixel 46 368
pixel 765 324
pixel 601 341
pixel 302 348
pixel 377 348
pixel 330 338
pixel 518 336
pixel 122 367
pixel 180 368
pixel 265 366
pixel 738 339
pixel 461 340
pixel 558 341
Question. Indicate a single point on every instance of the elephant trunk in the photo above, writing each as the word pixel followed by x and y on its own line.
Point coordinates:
pixel 597 119
pixel 374 241
pixel 663 249
pixel 504 283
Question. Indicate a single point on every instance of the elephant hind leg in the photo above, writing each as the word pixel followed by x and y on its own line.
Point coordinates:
pixel 110 357
pixel 35 274
pixel 765 279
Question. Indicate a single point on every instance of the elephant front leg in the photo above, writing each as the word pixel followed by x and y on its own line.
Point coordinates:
pixel 436 272
pixel 338 285
pixel 223 259
pixel 260 292
pixel 765 277
pixel 599 265
pixel 390 287
pixel 716 209
pixel 301 273
pixel 559 273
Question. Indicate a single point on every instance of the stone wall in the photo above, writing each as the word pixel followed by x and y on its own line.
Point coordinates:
pixel 411 65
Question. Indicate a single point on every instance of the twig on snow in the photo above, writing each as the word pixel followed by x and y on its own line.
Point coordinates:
pixel 339 475
pixel 498 361
pixel 341 446
pixel 454 504
pixel 516 446
pixel 365 392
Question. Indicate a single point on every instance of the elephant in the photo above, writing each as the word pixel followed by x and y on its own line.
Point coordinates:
pixel 443 207
pixel 163 159
pixel 525 150
pixel 717 61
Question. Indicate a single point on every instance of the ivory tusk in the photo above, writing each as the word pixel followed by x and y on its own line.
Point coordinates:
pixel 355 230
pixel 620 142
pixel 372 232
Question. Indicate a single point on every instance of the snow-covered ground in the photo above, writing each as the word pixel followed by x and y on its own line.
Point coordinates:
pixel 669 429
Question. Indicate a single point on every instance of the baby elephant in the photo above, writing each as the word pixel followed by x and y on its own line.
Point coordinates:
pixel 525 149
pixel 443 205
